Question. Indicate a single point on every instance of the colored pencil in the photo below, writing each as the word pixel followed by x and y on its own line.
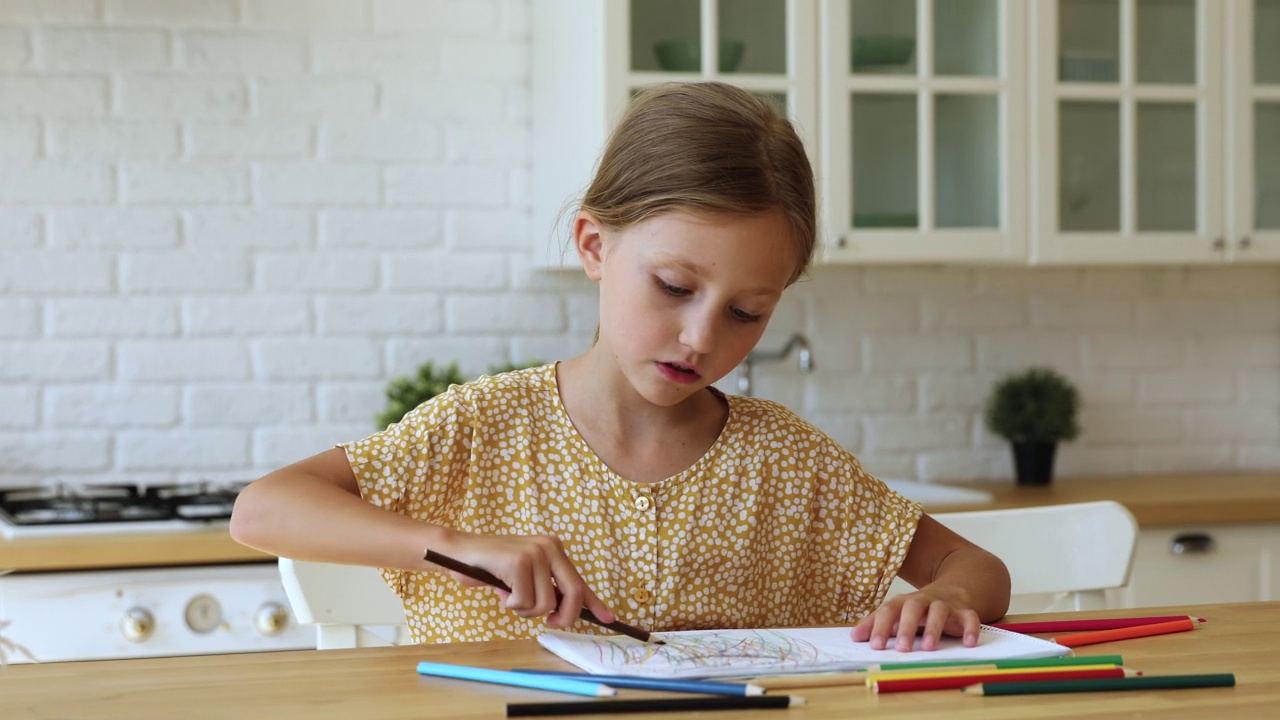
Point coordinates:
pixel 1147 682
pixel 489 578
pixel 707 687
pixel 655 705
pixel 1053 626
pixel 1004 664
pixel 890 685
pixel 1102 636
pixel 945 672
pixel 504 677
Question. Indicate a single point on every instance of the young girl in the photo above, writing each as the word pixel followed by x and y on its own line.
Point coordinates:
pixel 621 477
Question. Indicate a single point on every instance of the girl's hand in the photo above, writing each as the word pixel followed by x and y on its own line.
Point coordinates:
pixel 935 610
pixel 534 567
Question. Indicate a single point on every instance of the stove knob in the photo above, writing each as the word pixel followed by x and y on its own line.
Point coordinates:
pixel 137 625
pixel 204 614
pixel 271 618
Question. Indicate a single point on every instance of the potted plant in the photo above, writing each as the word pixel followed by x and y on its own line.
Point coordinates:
pixel 407 393
pixel 1034 410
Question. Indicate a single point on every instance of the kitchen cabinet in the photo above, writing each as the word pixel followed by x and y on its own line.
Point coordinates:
pixel 962 131
pixel 1203 564
pixel 1157 131
pixel 590 57
pixel 923 116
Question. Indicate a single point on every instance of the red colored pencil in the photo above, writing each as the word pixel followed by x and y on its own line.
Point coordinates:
pixel 1052 626
pixel 952 683
pixel 1101 636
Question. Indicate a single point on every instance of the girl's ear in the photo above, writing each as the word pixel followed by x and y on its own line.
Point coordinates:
pixel 588 240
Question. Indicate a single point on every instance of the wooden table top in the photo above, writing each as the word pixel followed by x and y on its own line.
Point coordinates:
pixel 374 683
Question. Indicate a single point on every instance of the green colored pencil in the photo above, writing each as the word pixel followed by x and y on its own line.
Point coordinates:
pixel 1002 664
pixel 1146 682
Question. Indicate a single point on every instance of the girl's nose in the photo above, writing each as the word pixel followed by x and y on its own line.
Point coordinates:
pixel 699 332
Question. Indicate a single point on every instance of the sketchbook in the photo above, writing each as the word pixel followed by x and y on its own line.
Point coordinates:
pixel 744 653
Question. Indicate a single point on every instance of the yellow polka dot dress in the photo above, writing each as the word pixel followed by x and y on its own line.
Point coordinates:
pixel 775 526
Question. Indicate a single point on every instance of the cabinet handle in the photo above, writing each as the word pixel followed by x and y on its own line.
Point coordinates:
pixel 1245 242
pixel 1192 544
pixel 1219 244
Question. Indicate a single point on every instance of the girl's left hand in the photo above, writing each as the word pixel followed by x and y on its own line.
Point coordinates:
pixel 903 616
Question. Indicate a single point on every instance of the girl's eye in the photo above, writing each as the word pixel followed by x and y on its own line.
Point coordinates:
pixel 671 289
pixel 745 316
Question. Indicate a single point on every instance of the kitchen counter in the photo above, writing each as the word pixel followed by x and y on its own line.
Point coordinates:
pixel 125 550
pixel 1153 499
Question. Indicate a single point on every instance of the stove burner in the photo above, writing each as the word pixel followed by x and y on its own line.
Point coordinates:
pixel 62 505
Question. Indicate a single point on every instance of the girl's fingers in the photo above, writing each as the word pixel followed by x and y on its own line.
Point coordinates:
pixel 908 624
pixel 935 621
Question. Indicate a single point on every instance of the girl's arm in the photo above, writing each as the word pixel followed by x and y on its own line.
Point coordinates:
pixel 312 510
pixel 960 586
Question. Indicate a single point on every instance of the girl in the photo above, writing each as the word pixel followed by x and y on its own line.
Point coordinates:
pixel 621 477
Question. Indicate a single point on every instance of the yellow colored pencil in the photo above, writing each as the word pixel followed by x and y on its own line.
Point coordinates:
pixel 872 678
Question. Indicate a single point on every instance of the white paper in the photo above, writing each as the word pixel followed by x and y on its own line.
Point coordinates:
pixel 727 653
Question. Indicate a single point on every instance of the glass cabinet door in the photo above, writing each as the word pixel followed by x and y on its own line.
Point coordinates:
pixel 1254 178
pixel 762 45
pixel 925 138
pixel 1129 106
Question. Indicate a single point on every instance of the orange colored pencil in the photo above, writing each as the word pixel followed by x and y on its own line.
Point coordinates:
pixel 952 683
pixel 1102 636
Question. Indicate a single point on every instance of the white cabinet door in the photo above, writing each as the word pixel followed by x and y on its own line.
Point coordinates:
pixel 923 115
pixel 591 56
pixel 1128 138
pixel 1204 564
pixel 1253 178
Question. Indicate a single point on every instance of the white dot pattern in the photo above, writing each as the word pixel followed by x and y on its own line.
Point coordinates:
pixel 775 526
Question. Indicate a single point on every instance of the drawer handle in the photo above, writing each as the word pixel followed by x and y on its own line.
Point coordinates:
pixel 1192 544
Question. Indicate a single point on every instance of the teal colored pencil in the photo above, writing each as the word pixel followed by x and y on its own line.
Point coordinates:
pixel 1002 664
pixel 1146 682
pixel 707 687
pixel 505 677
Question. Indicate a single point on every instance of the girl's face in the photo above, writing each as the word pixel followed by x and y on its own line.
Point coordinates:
pixel 684 297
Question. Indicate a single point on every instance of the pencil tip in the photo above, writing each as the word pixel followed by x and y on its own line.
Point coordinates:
pixel 796 700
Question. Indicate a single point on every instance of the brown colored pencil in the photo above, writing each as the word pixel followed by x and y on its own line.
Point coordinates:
pixel 489 578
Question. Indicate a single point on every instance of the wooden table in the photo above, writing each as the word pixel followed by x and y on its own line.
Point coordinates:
pixel 371 683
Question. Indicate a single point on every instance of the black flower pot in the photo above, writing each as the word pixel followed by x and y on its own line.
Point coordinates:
pixel 1033 462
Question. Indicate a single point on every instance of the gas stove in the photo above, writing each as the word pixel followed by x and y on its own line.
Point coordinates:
pixel 63 509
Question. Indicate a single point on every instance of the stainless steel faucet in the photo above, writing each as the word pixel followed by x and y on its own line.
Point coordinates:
pixel 796 342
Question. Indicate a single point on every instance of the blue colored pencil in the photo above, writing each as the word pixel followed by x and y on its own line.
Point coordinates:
pixel 705 687
pixel 505 677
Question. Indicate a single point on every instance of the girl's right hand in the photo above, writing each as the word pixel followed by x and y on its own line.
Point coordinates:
pixel 534 567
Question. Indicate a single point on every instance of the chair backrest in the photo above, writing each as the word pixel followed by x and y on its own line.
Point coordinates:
pixel 350 605
pixel 1059 556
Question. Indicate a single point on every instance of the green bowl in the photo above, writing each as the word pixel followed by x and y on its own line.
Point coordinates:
pixel 882 50
pixel 686 55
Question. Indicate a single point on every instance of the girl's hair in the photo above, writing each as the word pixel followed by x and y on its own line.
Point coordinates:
pixel 705 147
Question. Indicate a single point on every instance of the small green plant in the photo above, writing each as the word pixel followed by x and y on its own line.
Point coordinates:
pixel 407 393
pixel 1034 406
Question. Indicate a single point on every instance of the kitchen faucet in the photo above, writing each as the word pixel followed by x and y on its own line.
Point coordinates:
pixel 796 341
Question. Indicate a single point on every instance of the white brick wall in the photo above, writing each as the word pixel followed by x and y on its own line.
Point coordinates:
pixel 224 224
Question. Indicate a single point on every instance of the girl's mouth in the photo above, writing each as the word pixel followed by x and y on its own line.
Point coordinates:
pixel 678 373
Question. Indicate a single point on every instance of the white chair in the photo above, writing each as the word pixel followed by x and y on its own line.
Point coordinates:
pixel 350 605
pixel 1060 557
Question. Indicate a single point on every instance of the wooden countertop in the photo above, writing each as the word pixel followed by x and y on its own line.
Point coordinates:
pixel 138 549
pixel 374 683
pixel 1153 499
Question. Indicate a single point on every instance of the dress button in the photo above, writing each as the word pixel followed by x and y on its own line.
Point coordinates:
pixel 641 595
pixel 643 503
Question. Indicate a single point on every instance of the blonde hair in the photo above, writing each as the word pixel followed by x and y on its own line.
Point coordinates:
pixel 705 147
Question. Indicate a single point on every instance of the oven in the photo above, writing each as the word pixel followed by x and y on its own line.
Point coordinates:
pixel 132 612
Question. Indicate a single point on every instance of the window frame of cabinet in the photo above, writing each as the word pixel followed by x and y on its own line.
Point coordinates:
pixel 582 79
pixel 925 243
pixel 1244 242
